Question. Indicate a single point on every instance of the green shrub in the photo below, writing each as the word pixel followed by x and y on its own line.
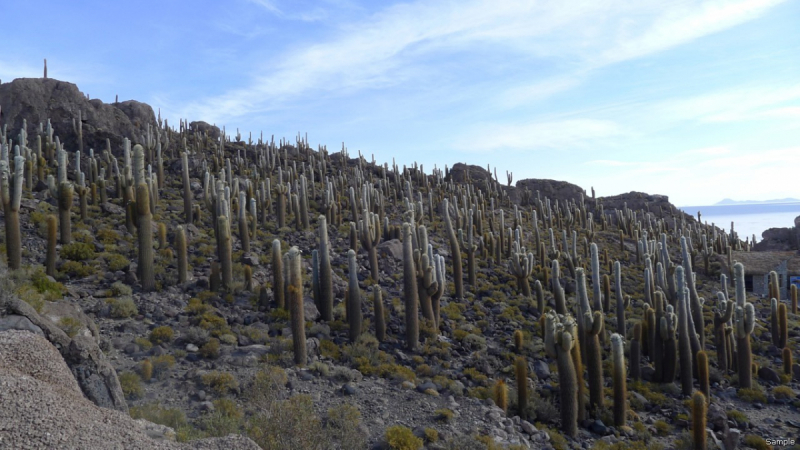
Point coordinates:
pixel 122 308
pixel 70 325
pixel 143 343
pixel 444 415
pixel 783 392
pixel 77 251
pixel 211 349
pixel 170 417
pixel 161 335
pixel 343 427
pixel 77 269
pixel 752 395
pixel 756 442
pixel 161 364
pixel 289 424
pixel 220 382
pixel 51 289
pixel 116 261
pixel 226 419
pixel 402 438
pixel 119 288
pixel 131 385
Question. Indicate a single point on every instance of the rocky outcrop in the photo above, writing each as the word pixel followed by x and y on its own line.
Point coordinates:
pixel 201 127
pixel 552 189
pixel 39 99
pixel 92 371
pixel 658 205
pixel 41 406
pixel 780 239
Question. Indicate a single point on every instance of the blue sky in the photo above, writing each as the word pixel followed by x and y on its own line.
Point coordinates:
pixel 695 100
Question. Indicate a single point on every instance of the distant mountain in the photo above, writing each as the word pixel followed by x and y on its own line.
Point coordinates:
pixel 728 201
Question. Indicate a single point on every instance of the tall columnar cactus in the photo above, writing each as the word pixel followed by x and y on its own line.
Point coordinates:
pixel 65 194
pixel 225 251
pixel 699 412
pixel 470 247
pixel 558 290
pixel 427 275
pixel 776 287
pixel 597 301
pixel 783 325
pixel 606 293
pixel 592 326
pixel 11 190
pixel 145 231
pixel 722 315
pixel 244 230
pixel 187 189
pixel 380 318
pixel 410 290
pixel 522 269
pixel 183 261
pixel 295 291
pixel 702 373
pixel 744 321
pixel 695 303
pixel 684 347
pixel 621 305
pixel 52 240
pixel 620 388
pixel 635 352
pixel 521 372
pixel 786 356
pixel 353 298
pixel 325 277
pixel 369 232
pixel 277 275
pixel 667 328
pixel 455 251
pixel 280 192
pixel 560 337
pixel 537 287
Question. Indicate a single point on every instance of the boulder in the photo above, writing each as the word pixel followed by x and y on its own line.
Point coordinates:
pixel 37 100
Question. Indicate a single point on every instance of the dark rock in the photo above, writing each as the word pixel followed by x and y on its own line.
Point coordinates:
pixel 392 247
pixel 769 374
pixel 541 370
pixel 349 389
pixel 37 99
pixel 15 322
pixel 597 427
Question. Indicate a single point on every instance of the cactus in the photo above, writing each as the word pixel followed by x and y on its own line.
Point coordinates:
pixel 606 293
pixel 354 318
pixel 744 321
pixel 248 278
pixel 187 189
pixel 621 305
pixel 244 231
pixel 776 287
pixel 50 264
pixel 722 315
pixel 684 347
pixel 635 352
pixel 702 373
pixel 225 251
pixel 455 251
pixel 500 395
pixel 11 190
pixel 162 235
pixel 667 328
pixel 325 277
pixel 560 332
pixel 145 237
pixel 369 232
pixel 180 247
pixel 280 191
pixel 786 356
pixel 470 247
pixel 428 282
pixel 620 389
pixel 410 290
pixel 592 326
pixel 518 340
pixel 783 325
pixel 295 291
pixel 277 275
pixel 380 318
pixel 698 421
pixel 65 194
pixel 521 372
pixel 694 304
pixel 558 290
pixel 537 287
pixel 214 278
pixel 522 268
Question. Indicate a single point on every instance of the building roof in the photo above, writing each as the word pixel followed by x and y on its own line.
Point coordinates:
pixel 761 263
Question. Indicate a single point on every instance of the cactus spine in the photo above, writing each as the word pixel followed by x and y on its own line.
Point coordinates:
pixel 455 250
pixel 620 389
pixel 410 290
pixel 560 332
pixel 145 237
pixel 277 275
pixel 699 421
pixel 380 318
pixel 744 321
pixel 353 297
pixel 325 278
pixel 11 190
pixel 183 261
pixel 295 289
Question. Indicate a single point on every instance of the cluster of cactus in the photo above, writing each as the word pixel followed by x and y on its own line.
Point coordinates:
pixel 295 298
pixel 560 337
pixel 11 190
pixel 744 321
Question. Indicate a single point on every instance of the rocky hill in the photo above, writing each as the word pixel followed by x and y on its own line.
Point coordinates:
pixel 275 296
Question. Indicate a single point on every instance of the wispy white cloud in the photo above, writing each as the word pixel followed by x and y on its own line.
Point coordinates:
pixel 403 42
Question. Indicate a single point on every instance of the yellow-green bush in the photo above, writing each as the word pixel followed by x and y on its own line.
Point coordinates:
pixel 131 385
pixel 77 251
pixel 402 438
pixel 211 349
pixel 161 335
pixel 220 382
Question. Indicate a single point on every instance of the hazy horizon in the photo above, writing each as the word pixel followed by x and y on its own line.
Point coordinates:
pixel 688 99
